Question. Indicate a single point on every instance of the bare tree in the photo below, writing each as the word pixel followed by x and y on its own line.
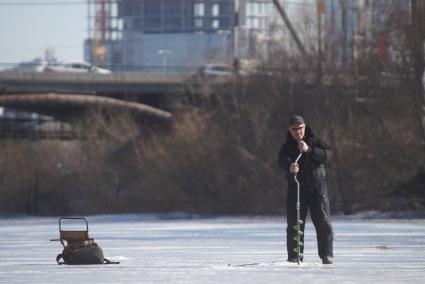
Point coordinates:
pixel 418 57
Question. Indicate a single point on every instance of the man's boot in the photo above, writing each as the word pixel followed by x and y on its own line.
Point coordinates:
pixel 327 260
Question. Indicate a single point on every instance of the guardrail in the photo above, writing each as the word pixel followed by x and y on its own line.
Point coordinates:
pixel 38 128
pixel 117 83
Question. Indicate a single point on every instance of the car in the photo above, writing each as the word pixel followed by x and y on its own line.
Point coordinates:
pixel 213 70
pixel 216 69
pixel 76 67
pixel 37 65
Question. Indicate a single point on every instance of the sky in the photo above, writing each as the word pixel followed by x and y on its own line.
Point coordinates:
pixel 27 30
pixel 29 27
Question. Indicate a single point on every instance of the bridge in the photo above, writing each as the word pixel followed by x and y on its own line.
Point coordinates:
pixel 62 97
pixel 115 83
pixel 65 96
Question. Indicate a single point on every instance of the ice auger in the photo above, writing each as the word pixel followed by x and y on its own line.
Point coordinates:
pixel 297 227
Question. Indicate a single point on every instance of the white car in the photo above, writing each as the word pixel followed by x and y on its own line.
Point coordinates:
pixel 77 67
pixel 216 69
pixel 212 70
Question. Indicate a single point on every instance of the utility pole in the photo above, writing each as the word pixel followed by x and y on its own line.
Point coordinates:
pixel 289 26
pixel 320 9
pixel 236 63
pixel 418 52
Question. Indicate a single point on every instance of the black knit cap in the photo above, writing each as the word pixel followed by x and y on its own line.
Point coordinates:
pixel 296 119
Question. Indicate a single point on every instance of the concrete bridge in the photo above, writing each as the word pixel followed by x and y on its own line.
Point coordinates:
pixel 56 94
pixel 91 83
pixel 65 96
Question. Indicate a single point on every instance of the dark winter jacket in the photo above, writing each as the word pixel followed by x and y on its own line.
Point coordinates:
pixel 312 169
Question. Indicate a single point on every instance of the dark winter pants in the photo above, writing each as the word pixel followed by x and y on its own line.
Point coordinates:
pixel 314 197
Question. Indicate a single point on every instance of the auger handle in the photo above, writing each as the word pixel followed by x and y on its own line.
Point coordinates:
pixel 298 212
pixel 298 158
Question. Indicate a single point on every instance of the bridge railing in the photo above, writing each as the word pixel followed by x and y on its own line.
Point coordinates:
pixel 35 128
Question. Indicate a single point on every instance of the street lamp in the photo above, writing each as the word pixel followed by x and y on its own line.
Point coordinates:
pixel 164 56
pixel 236 36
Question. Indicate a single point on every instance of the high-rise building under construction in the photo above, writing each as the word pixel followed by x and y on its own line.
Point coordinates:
pixel 180 35
pixel 176 35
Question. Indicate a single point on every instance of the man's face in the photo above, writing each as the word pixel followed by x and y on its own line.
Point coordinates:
pixel 297 131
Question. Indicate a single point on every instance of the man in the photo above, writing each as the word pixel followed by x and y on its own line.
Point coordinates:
pixel 310 171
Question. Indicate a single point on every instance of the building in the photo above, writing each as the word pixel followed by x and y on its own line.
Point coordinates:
pixel 341 21
pixel 355 28
pixel 181 35
pixel 178 35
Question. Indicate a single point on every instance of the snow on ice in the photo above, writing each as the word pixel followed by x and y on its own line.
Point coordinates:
pixel 180 248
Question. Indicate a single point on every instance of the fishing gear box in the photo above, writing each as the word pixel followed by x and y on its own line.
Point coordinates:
pixel 78 247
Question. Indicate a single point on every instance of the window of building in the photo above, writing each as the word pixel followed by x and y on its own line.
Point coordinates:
pixel 152 7
pixel 152 24
pixel 199 23
pixel 225 23
pixel 215 24
pixel 120 24
pixel 226 8
pixel 137 23
pixel 255 8
pixel 199 13
pixel 255 23
pixel 114 10
pixel 216 10
pixel 173 24
pixel 172 7
pixel 129 8
pixel 258 9
pixel 199 9
pixel 263 23
pixel 226 15
pixel 187 8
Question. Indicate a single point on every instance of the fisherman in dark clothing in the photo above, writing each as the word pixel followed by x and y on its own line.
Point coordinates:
pixel 311 174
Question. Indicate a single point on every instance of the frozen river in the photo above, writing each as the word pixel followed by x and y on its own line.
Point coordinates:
pixel 214 250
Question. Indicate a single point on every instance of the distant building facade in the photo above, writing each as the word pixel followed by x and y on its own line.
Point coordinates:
pixel 174 35
pixel 354 28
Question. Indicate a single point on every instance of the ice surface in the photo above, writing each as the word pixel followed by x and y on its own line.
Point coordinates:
pixel 182 249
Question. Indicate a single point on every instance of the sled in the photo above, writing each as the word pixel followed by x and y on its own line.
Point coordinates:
pixel 78 247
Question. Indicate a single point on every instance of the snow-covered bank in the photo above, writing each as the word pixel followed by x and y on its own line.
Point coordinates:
pixel 363 215
pixel 384 215
pixel 183 249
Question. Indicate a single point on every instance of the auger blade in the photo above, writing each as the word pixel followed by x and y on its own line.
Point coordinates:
pixel 300 222
pixel 296 239
pixel 296 249
pixel 298 230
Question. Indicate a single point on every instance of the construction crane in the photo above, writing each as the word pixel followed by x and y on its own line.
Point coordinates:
pixel 99 39
pixel 289 25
